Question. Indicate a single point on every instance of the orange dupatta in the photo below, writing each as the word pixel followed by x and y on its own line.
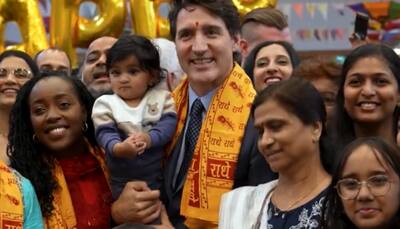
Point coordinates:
pixel 63 215
pixel 211 173
pixel 11 202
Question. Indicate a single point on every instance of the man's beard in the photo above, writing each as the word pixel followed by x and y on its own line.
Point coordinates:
pixel 97 93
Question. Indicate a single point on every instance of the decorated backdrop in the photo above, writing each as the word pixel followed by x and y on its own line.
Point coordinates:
pixel 327 24
pixel 68 30
pixel 66 24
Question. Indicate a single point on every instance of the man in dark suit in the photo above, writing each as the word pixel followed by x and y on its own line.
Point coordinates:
pixel 216 150
pixel 215 145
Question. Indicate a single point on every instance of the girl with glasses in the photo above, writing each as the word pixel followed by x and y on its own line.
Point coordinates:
pixel 366 187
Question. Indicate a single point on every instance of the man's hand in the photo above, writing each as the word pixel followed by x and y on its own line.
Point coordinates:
pixel 136 204
pixel 165 223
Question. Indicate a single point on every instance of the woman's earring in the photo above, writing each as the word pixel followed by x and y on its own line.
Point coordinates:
pixel 34 138
pixel 85 127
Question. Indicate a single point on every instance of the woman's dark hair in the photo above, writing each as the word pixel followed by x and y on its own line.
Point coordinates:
pixel 22 55
pixel 24 151
pixel 343 124
pixel 299 97
pixel 250 61
pixel 333 216
pixel 139 47
pixel 223 9
pixel 319 67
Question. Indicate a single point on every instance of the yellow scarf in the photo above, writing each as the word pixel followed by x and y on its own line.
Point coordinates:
pixel 63 215
pixel 11 202
pixel 211 173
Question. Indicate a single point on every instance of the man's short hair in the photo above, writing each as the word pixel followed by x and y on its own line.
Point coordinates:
pixel 35 58
pixel 266 16
pixel 224 9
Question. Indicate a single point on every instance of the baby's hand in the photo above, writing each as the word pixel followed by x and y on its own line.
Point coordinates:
pixel 129 148
pixel 125 149
pixel 140 147
pixel 143 137
pixel 138 144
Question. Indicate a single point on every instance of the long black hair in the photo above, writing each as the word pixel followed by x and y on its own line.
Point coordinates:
pixel 343 125
pixel 333 216
pixel 23 150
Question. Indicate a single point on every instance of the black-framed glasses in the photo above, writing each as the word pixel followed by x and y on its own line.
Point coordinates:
pixel 19 73
pixel 349 188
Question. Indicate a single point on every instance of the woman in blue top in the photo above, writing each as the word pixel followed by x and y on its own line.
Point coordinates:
pixel 10 213
pixel 290 117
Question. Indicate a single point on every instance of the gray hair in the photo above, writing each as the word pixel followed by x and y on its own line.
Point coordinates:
pixel 168 57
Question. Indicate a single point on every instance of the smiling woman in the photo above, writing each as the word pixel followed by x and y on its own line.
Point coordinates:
pixel 270 62
pixel 52 143
pixel 16 68
pixel 292 139
pixel 368 95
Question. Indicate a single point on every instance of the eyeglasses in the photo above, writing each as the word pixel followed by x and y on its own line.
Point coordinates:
pixel 349 188
pixel 19 73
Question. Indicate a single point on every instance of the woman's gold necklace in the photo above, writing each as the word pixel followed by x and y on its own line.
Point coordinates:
pixel 303 197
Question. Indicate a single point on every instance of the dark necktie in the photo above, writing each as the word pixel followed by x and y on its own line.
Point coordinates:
pixel 192 133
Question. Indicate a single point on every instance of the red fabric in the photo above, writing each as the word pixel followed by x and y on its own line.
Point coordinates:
pixel 90 193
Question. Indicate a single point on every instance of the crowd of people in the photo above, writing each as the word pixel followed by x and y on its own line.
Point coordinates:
pixel 222 127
